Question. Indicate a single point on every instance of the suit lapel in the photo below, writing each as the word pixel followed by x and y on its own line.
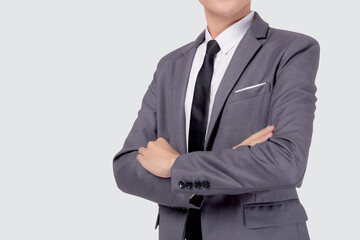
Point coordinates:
pixel 243 54
pixel 245 51
pixel 180 73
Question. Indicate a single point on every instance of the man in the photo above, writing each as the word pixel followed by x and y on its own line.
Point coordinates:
pixel 204 144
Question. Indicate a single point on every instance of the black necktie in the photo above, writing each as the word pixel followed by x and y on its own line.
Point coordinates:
pixel 201 98
pixel 198 124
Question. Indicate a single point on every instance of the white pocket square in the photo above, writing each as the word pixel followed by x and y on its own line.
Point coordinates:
pixel 246 88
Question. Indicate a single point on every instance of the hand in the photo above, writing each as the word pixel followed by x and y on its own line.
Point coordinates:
pixel 158 157
pixel 259 137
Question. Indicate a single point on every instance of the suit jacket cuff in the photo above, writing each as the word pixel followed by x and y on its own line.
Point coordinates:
pixel 190 182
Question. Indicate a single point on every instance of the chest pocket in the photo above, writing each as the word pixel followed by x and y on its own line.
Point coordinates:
pixel 249 92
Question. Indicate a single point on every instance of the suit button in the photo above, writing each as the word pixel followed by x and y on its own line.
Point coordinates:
pixel 181 184
pixel 205 184
pixel 197 184
pixel 188 185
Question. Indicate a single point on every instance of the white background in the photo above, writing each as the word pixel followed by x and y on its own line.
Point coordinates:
pixel 73 74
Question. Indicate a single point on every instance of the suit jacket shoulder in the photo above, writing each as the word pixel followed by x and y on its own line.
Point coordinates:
pixel 288 35
pixel 174 54
pixel 289 41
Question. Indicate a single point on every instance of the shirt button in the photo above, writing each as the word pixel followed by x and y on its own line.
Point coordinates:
pixel 181 184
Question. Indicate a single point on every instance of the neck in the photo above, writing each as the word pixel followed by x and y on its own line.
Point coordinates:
pixel 216 23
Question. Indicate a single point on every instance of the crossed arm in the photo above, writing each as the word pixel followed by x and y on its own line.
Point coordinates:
pixel 159 156
pixel 277 163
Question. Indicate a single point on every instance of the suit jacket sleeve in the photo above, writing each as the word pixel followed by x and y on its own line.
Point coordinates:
pixel 129 174
pixel 277 163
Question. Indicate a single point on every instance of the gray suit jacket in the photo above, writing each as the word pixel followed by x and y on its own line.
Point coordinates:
pixel 251 192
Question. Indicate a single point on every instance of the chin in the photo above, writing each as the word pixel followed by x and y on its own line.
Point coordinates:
pixel 224 7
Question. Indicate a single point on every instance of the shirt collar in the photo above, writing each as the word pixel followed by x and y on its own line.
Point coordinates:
pixel 231 35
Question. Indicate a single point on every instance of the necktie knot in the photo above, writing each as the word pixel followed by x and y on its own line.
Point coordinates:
pixel 212 47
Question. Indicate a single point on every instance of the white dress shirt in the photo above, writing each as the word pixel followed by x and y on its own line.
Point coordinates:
pixel 228 40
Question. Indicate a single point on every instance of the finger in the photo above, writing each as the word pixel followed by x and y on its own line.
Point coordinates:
pixel 262 139
pixel 240 144
pixel 261 133
pixel 161 139
pixel 150 143
pixel 266 137
pixel 245 142
pixel 142 150
pixel 166 145
pixel 256 136
pixel 140 157
pixel 250 141
pixel 264 131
